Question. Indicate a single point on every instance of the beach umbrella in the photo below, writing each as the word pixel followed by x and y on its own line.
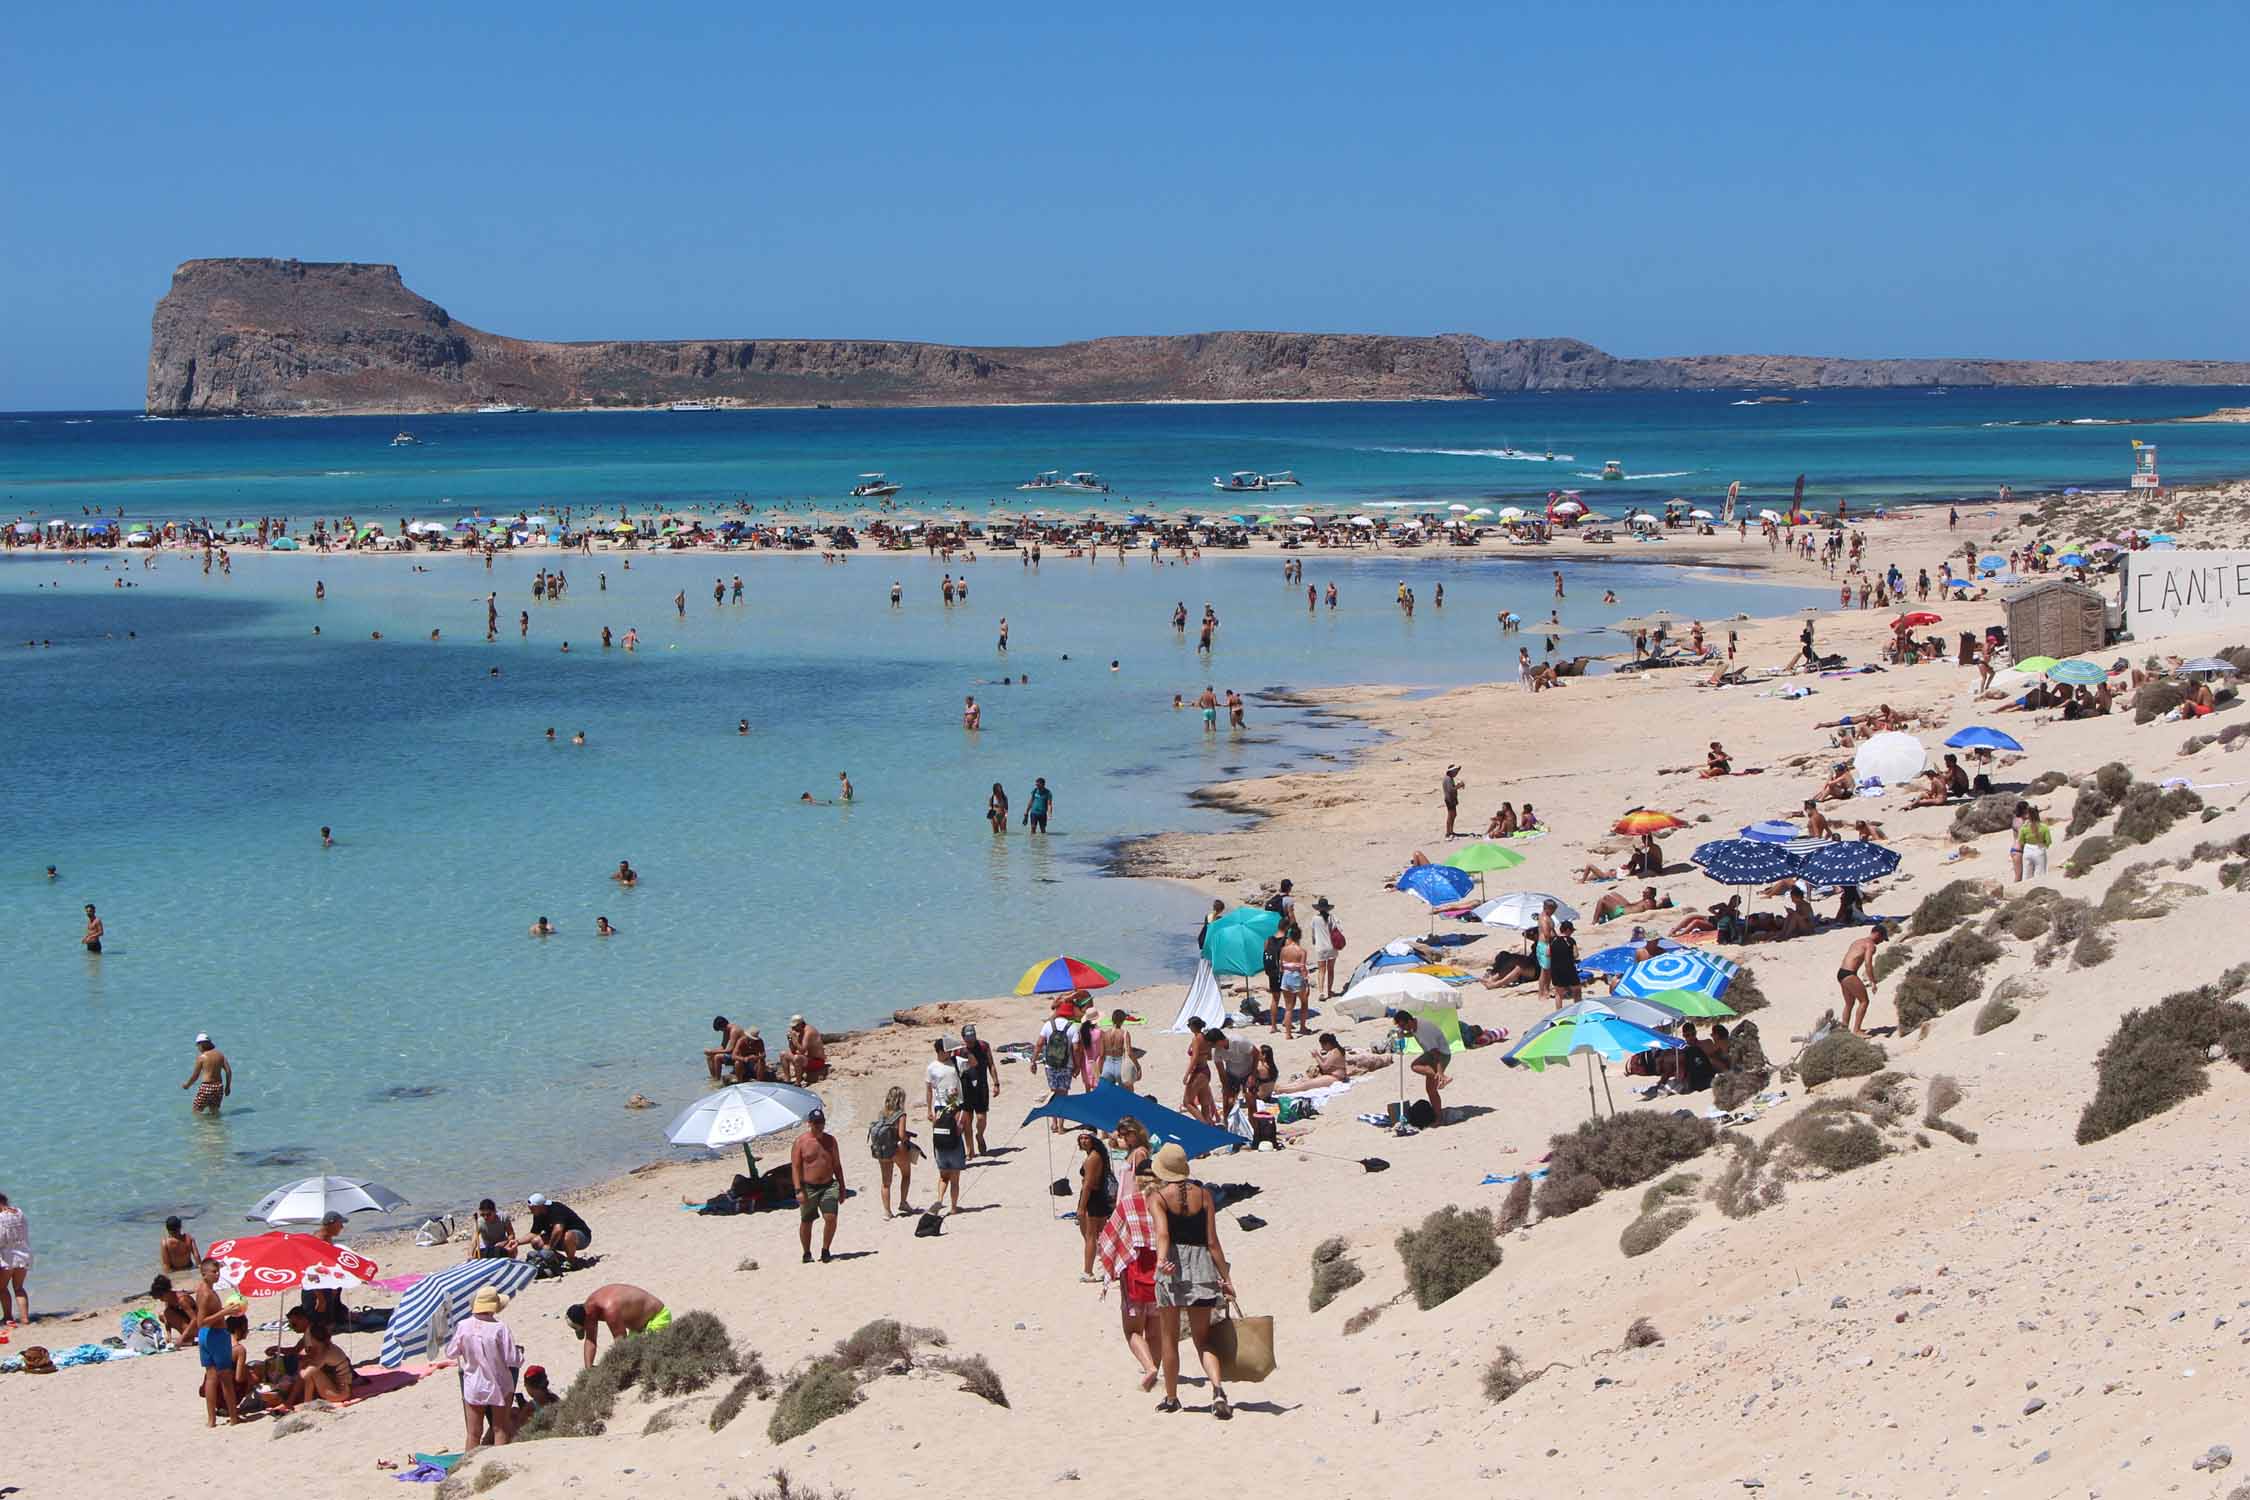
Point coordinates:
pixel 2074 559
pixel 2033 664
pixel 1521 910
pixel 1482 858
pixel 1992 562
pixel 1891 758
pixel 432 1306
pixel 261 1264
pixel 315 1198
pixel 2103 547
pixel 1570 508
pixel 1651 1013
pixel 1060 976
pixel 1701 515
pixel 1484 512
pixel 1692 1005
pixel 1239 946
pixel 1852 862
pixel 1916 619
pixel 1591 1036
pixel 1435 884
pixel 1679 969
pixel 1620 958
pixel 1771 831
pixel 1396 987
pixel 1744 861
pixel 1107 1103
pixel 1647 820
pixel 1980 737
pixel 1511 513
pixel 2076 673
pixel 2213 664
pixel 739 1114
pixel 278 544
pixel 1459 510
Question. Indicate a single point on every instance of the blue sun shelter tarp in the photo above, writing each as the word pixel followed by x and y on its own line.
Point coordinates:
pixel 1109 1103
pixel 425 1316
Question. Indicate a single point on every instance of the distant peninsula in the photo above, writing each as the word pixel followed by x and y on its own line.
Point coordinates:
pixel 257 337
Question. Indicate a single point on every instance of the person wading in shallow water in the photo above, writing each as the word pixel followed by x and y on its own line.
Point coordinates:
pixel 212 1077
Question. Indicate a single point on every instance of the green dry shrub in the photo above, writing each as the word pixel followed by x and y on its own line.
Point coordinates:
pixel 2088 853
pixel 1450 1252
pixel 2156 1057
pixel 2237 847
pixel 1995 1014
pixel 1335 1247
pixel 2040 786
pixel 473 1479
pixel 2156 699
pixel 1515 1208
pixel 1678 1185
pixel 782 1489
pixel 1745 1049
pixel 876 1345
pixel 2148 811
pixel 2088 811
pixel 1562 1196
pixel 1890 958
pixel 1731 1089
pixel 2195 742
pixel 1832 1134
pixel 1362 1320
pixel 2093 950
pixel 2068 920
pixel 1743 994
pixel 1952 904
pixel 1641 1333
pixel 978 1377
pixel 1949 975
pixel 1992 813
pixel 1886 1097
pixel 1627 1150
pixel 1651 1230
pixel 679 1360
pixel 1944 1093
pixel 663 1419
pixel 1840 1055
pixel 2113 779
pixel 824 1388
pixel 2027 915
pixel 1506 1375
pixel 2137 896
pixel 1332 1276
pixel 757 1383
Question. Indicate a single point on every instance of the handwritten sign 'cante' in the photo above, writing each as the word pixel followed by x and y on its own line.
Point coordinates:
pixel 2168 591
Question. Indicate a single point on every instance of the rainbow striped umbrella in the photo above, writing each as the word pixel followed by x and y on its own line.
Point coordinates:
pixel 1059 976
pixel 1647 820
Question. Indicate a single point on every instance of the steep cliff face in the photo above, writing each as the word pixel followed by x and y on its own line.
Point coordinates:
pixel 282 336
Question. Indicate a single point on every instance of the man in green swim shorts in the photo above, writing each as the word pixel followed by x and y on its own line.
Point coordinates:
pixel 624 1309
pixel 816 1171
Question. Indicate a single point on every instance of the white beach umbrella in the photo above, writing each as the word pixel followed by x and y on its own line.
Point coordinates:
pixel 1892 759
pixel 1520 910
pixel 1701 515
pixel 1570 508
pixel 1459 510
pixel 1511 512
pixel 1481 511
pixel 1363 520
pixel 1768 515
pixel 1387 989
pixel 740 1114
pixel 1302 521
pixel 315 1198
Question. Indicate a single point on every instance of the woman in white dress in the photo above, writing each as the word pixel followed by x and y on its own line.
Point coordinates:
pixel 15 1263
pixel 1321 940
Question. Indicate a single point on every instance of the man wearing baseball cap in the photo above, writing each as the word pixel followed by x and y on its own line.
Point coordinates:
pixel 816 1172
pixel 212 1077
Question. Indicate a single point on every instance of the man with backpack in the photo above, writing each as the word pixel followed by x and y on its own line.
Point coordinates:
pixel 1053 1049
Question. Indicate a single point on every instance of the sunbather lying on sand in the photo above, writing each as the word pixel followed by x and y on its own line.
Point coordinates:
pixel 1613 904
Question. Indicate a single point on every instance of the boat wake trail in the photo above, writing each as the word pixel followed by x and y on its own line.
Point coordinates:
pixel 1665 474
pixel 1513 455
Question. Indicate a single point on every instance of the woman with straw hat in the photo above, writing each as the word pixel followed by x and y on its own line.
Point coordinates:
pixel 489 1360
pixel 1191 1274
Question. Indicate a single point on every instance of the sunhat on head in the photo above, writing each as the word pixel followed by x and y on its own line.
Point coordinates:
pixel 1171 1164
pixel 487 1300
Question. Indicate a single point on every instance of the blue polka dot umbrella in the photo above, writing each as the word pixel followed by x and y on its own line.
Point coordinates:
pixel 1744 861
pixel 1853 862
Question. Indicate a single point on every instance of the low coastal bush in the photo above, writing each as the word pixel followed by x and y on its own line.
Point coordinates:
pixel 978 1377
pixel 823 1389
pixel 2156 699
pixel 1450 1252
pixel 473 1479
pixel 1890 958
pixel 1559 1197
pixel 1989 814
pixel 1640 1334
pixel 1840 1055
pixel 1833 1135
pixel 1627 1150
pixel 756 1384
pixel 1664 1194
pixel 2156 1058
pixel 2112 780
pixel 1333 1273
pixel 1945 1093
pixel 783 1489
pixel 2093 950
pixel 1743 995
pixel 1506 1375
pixel 2088 853
pixel 1995 1014
pixel 879 1345
pixel 2040 786
pixel 1736 1086
pixel 1886 1097
pixel 1515 1209
pixel 664 1419
pixel 1951 904
pixel 1745 1048
pixel 691 1354
pixel 1651 1230
pixel 2148 811
pixel 2068 920
pixel 2025 916
pixel 1362 1320
pixel 1949 975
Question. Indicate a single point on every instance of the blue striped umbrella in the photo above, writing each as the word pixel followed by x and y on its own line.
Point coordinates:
pixel 1981 737
pixel 2080 673
pixel 1436 884
pixel 1680 969
pixel 1772 831
pixel 1744 861
pixel 1853 863
pixel 1992 562
pixel 1618 959
pixel 434 1304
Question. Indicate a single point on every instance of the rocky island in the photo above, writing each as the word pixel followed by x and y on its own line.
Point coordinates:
pixel 245 336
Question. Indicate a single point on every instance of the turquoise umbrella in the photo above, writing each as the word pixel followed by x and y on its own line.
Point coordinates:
pixel 1236 942
pixel 2080 673
pixel 1591 1034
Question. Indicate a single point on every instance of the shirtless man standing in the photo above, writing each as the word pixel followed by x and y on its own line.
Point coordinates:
pixel 816 1172
pixel 624 1309
pixel 212 1077
pixel 1859 958
pixel 215 1350
pixel 94 929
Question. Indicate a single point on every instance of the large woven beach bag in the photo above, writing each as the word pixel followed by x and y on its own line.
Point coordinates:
pixel 1244 1345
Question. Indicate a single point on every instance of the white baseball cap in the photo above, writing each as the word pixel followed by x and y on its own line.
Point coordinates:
pixel 537 1200
pixel 201 1037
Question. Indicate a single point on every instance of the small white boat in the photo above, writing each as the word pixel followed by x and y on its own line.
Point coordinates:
pixel 1089 481
pixel 1284 477
pixel 1045 479
pixel 873 487
pixel 500 409
pixel 691 406
pixel 406 440
pixel 1613 469
pixel 1241 481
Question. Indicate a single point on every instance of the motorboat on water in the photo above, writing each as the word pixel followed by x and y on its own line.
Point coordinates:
pixel 500 409
pixel 1274 481
pixel 1087 480
pixel 873 487
pixel 406 440
pixel 691 406
pixel 1241 481
pixel 1613 469
pixel 1045 479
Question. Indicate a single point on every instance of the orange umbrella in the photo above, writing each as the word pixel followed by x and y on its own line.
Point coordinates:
pixel 1647 820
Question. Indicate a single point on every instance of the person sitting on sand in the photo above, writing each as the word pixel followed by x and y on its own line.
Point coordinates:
pixel 1700 924
pixel 1502 823
pixel 1800 920
pixel 1816 821
pixel 537 1394
pixel 734 1045
pixel 557 1228
pixel 1868 832
pixel 1511 968
pixel 1839 786
pixel 1648 859
pixel 174 1310
pixel 324 1372
pixel 623 1309
pixel 1716 762
pixel 492 1233
pixel 806 1059
pixel 1613 904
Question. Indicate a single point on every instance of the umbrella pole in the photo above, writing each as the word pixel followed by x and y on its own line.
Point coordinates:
pixel 1612 1098
pixel 1591 1106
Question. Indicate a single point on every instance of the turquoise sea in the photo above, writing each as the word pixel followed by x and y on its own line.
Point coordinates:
pixel 177 747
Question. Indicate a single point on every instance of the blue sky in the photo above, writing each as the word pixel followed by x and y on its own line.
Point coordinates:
pixel 2032 180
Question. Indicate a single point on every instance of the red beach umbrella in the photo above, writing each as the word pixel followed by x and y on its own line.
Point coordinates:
pixel 263 1264
pixel 1916 620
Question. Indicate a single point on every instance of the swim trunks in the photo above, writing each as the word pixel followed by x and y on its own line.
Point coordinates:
pixel 1210 716
pixel 208 1095
pixel 215 1348
pixel 816 1201
pixel 93 945
pixel 661 1321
